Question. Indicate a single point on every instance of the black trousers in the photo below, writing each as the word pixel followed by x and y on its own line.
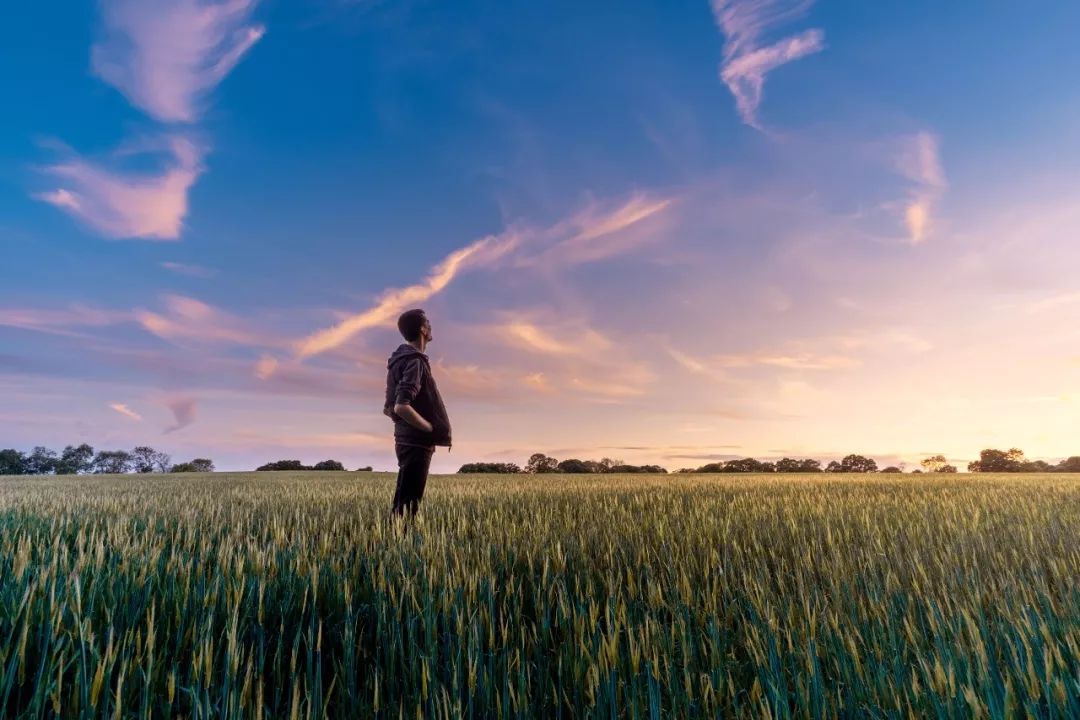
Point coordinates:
pixel 413 464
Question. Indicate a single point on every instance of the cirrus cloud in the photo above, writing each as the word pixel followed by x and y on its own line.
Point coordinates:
pixel 746 61
pixel 166 55
pixel 120 204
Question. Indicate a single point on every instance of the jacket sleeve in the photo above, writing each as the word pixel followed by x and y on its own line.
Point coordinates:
pixel 409 384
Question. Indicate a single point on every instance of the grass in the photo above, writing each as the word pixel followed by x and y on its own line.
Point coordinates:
pixel 289 595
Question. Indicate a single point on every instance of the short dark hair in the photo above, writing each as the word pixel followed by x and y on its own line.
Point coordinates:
pixel 410 322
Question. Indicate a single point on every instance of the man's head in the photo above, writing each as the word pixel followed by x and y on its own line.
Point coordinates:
pixel 414 326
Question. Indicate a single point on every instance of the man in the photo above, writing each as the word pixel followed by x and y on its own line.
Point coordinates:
pixel 414 404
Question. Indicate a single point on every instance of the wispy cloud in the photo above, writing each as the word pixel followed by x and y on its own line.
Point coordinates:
pixel 392 302
pixel 597 232
pixel 190 319
pixel 61 321
pixel 919 161
pixel 197 271
pixel 125 411
pixel 789 361
pixel 562 339
pixel 119 204
pixel 183 410
pixel 797 361
pixel 746 61
pixel 265 367
pixel 166 55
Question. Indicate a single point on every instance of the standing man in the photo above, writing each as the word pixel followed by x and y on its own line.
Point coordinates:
pixel 414 404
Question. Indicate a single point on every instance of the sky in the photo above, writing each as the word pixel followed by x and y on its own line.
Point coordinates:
pixel 668 233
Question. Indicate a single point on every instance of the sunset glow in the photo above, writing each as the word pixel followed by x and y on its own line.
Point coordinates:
pixel 662 233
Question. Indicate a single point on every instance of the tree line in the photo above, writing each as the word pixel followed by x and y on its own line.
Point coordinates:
pixel 297 465
pixel 83 460
pixel 540 463
pixel 990 460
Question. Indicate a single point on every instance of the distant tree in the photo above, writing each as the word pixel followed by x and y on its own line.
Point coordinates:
pixel 75 460
pixel 857 464
pixel 541 463
pixel 147 460
pixel 328 465
pixel 715 467
pixel 834 467
pixel 594 466
pixel 933 463
pixel 1000 461
pixel 41 461
pixel 892 469
pixel 12 462
pixel 198 465
pixel 573 466
pixel 498 468
pixel 624 469
pixel 1070 465
pixel 947 469
pixel 791 465
pixel 916 471
pixel 607 464
pixel 366 468
pixel 284 465
pixel 112 461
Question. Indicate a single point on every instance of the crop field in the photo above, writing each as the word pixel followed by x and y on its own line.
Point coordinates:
pixel 292 596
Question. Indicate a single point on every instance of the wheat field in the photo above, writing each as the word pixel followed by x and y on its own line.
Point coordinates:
pixel 291 595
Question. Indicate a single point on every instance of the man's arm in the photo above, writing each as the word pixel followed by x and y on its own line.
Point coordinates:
pixel 408 386
pixel 409 415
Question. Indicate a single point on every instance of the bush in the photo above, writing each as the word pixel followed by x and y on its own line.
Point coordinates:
pixel 284 465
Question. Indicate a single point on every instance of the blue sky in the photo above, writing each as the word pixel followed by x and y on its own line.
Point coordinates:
pixel 664 233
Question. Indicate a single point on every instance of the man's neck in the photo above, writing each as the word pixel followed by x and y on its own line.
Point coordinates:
pixel 419 344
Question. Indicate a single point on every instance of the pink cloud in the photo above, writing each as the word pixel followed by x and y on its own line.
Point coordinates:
pixel 190 319
pixel 598 233
pixel 183 410
pixel 392 302
pixel 919 161
pixel 127 204
pixel 125 411
pixel 58 321
pixel 166 55
pixel 746 62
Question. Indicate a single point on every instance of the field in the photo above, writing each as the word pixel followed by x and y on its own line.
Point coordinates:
pixel 289 595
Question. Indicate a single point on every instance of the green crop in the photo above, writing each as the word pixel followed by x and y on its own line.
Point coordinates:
pixel 291 595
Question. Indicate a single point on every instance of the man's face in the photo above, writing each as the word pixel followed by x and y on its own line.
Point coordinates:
pixel 425 330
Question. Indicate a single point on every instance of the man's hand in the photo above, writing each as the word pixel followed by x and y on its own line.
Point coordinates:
pixel 409 415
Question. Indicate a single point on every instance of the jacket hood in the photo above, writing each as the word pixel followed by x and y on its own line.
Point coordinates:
pixel 404 350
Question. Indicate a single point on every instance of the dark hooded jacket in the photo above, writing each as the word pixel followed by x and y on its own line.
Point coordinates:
pixel 409 382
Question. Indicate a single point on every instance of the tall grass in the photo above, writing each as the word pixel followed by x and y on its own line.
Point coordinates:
pixel 555 596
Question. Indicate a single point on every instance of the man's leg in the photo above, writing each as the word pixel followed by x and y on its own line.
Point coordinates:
pixel 413 465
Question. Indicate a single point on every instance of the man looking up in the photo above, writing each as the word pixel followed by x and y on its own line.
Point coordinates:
pixel 414 404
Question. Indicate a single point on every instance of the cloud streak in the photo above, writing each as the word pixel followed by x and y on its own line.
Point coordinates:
pixel 125 411
pixel 919 161
pixel 747 62
pixel 118 204
pixel 596 233
pixel 190 319
pixel 165 56
pixel 384 312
